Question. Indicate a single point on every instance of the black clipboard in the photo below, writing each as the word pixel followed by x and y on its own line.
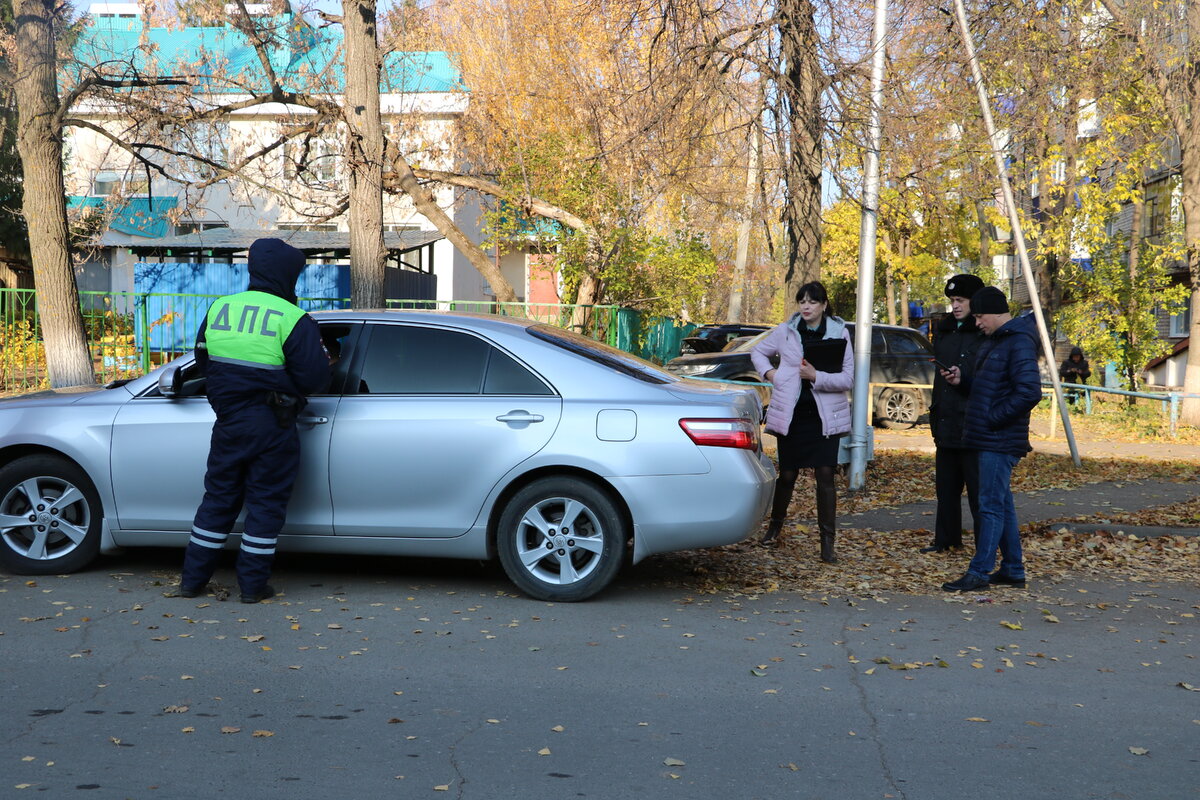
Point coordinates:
pixel 826 355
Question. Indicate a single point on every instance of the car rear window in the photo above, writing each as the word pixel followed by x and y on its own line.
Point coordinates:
pixel 602 354
pixel 907 344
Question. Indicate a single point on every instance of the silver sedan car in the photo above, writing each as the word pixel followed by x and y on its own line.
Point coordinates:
pixel 441 434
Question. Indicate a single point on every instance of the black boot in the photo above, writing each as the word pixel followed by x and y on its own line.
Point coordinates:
pixel 826 512
pixel 784 485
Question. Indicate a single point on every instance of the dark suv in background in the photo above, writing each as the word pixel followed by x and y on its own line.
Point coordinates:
pixel 713 338
pixel 898 356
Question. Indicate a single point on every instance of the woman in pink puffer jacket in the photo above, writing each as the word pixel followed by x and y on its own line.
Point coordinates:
pixel 809 408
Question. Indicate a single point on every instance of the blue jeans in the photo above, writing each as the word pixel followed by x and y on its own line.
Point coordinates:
pixel 997 522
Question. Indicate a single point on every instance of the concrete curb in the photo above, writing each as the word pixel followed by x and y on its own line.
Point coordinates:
pixel 1140 531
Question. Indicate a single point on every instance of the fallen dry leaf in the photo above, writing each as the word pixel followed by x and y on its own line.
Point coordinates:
pixel 673 762
pixel 262 734
pixel 230 729
pixel 1139 751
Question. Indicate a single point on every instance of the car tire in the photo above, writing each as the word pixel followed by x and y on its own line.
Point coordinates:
pixel 900 409
pixel 581 561
pixel 50 516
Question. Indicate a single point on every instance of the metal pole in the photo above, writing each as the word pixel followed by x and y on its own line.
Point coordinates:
pixel 1015 220
pixel 864 316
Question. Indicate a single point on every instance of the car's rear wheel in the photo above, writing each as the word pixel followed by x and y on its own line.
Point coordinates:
pixel 561 539
pixel 900 408
pixel 50 516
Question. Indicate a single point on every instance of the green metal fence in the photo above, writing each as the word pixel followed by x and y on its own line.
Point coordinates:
pixel 130 333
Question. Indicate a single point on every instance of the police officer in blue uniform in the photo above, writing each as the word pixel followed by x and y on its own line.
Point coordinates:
pixel 262 355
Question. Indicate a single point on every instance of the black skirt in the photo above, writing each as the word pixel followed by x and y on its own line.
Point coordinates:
pixel 805 446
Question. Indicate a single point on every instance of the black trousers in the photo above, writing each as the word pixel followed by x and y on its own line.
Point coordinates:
pixel 955 469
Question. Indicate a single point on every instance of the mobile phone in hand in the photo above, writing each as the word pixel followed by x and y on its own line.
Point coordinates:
pixel 940 365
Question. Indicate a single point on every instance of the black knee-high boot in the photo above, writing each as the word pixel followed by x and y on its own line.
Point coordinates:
pixel 784 485
pixel 826 512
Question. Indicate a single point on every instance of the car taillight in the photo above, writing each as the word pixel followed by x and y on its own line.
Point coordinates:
pixel 721 432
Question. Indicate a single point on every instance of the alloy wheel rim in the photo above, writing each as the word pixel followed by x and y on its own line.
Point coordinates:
pixel 44 518
pixel 560 541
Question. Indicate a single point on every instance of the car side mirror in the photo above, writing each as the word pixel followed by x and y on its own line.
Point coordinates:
pixel 169 381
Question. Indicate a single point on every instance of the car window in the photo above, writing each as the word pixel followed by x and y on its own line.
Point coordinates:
pixel 338 339
pixel 749 344
pixel 906 344
pixel 404 359
pixel 408 359
pixel 877 345
pixel 506 376
pixel 610 357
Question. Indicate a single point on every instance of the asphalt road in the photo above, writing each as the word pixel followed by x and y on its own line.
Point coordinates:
pixel 391 678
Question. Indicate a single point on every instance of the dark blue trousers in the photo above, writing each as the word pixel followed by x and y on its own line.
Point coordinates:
pixel 252 461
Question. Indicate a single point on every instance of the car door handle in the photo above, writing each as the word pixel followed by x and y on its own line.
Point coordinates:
pixel 312 420
pixel 519 416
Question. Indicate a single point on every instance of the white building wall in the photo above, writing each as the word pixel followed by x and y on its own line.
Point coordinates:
pixel 267 199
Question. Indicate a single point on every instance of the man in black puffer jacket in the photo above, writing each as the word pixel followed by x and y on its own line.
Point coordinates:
pixel 1004 388
pixel 955 344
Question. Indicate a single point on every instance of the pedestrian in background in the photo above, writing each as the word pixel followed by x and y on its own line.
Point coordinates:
pixel 956 467
pixel 809 409
pixel 1003 389
pixel 1074 369
pixel 262 355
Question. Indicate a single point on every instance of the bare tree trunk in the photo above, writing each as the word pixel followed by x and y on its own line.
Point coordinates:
pixel 1135 245
pixel 585 298
pixel 408 183
pixel 39 141
pixel 367 253
pixel 802 86
pixel 985 235
pixel 889 293
pixel 738 281
pixel 1190 152
pixel 905 319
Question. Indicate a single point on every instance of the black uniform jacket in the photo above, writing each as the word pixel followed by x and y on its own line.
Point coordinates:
pixel 955 345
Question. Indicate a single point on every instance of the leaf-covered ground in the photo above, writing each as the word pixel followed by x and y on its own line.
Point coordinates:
pixel 899 477
pixel 874 563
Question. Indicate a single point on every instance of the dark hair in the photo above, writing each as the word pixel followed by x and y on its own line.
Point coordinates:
pixel 815 291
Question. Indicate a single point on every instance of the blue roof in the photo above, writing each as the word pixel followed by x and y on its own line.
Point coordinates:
pixel 137 216
pixel 304 57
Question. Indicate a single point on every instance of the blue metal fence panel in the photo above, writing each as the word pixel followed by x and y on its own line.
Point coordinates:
pixel 186 289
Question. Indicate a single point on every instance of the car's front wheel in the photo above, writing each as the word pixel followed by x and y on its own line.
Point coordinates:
pixel 50 516
pixel 561 539
pixel 900 408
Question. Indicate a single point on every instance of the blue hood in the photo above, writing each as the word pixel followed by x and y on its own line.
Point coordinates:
pixel 274 267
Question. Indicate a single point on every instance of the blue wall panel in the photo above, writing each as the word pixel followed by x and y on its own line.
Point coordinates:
pixel 160 286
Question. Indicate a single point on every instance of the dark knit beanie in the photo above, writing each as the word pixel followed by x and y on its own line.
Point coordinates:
pixel 963 286
pixel 989 300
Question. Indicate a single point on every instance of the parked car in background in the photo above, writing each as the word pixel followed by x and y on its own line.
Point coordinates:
pixel 715 337
pixel 898 356
pixel 441 434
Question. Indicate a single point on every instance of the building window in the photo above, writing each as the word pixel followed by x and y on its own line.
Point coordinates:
pixel 314 160
pixel 1181 322
pixel 110 182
